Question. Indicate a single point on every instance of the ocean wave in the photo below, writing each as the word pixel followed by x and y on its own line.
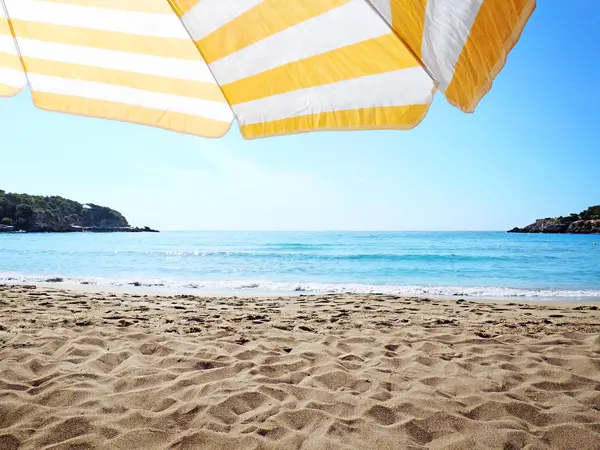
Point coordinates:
pixel 288 253
pixel 277 287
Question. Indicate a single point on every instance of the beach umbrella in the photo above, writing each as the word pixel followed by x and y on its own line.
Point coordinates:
pixel 276 66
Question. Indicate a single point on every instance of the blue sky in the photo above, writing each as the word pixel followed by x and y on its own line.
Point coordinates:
pixel 532 149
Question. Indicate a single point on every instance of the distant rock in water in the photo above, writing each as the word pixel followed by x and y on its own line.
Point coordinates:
pixel 586 222
pixel 36 213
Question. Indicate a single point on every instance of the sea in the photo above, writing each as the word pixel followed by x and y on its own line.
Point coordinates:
pixel 466 264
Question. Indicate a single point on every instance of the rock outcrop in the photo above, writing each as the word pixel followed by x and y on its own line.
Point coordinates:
pixel 34 213
pixel 586 222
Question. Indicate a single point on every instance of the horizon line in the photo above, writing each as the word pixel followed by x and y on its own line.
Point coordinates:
pixel 330 231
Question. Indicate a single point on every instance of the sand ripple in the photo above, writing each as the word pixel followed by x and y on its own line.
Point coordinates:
pixel 141 373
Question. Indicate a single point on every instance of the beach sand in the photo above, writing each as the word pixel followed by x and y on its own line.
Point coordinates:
pixel 122 371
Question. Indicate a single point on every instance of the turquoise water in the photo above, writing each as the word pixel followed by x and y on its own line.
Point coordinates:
pixel 487 264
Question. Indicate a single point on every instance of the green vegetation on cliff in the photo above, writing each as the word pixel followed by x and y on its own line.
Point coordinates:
pixel 37 213
pixel 592 213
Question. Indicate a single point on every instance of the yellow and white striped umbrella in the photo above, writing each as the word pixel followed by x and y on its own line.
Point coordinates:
pixel 276 66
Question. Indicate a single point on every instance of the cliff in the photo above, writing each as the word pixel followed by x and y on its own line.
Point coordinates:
pixel 35 213
pixel 586 222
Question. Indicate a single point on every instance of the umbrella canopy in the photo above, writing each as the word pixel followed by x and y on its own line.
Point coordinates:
pixel 276 66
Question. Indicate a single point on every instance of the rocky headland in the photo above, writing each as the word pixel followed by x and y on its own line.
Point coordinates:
pixel 53 214
pixel 586 222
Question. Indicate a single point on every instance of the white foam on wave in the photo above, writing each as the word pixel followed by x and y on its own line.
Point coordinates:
pixel 275 287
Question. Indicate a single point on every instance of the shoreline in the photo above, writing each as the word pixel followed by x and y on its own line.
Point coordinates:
pixel 334 371
pixel 91 288
pixel 265 288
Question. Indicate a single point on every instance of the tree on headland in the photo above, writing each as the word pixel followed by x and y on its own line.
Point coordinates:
pixel 592 213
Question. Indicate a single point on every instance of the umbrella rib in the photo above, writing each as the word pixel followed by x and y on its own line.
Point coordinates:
pixel 16 42
pixel 176 11
pixel 421 63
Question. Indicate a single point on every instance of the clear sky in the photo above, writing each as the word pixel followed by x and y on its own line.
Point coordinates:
pixel 532 149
